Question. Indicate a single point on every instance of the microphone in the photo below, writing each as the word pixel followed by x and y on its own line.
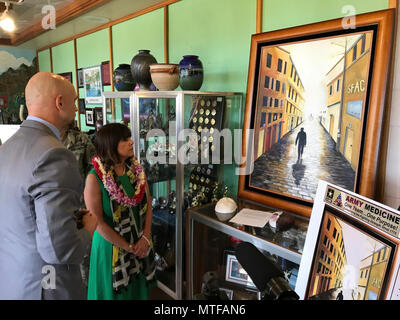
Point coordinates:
pixel 267 277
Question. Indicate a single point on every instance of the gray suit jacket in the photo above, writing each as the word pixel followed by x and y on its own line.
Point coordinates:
pixel 40 187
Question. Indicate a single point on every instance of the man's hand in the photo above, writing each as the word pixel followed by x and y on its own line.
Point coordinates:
pixel 87 220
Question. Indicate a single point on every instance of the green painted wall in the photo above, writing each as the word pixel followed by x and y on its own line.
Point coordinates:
pixel 143 32
pixel 44 60
pixel 92 50
pixel 280 14
pixel 219 33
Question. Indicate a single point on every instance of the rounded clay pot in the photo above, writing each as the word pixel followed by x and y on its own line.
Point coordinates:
pixel 164 76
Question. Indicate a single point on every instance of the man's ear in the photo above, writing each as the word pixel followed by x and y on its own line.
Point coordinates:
pixel 59 102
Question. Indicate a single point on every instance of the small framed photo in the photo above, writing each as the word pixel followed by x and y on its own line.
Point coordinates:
pixel 105 73
pixel 82 106
pixel 89 115
pixel 229 292
pixel 98 114
pixel 108 106
pixel 80 78
pixel 235 272
pixel 67 75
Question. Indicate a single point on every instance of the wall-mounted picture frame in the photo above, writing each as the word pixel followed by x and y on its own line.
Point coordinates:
pixel 89 117
pixel 235 273
pixel 3 101
pixel 67 75
pixel 352 248
pixel 106 73
pixel 82 106
pixel 93 85
pixel 98 114
pixel 80 78
pixel 315 102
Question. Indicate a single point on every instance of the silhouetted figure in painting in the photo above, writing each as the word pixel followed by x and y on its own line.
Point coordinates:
pixel 340 295
pixel 302 141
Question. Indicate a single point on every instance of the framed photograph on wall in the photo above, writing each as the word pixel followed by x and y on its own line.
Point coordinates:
pixel 93 85
pixel 80 78
pixel 235 273
pixel 82 106
pixel 89 116
pixel 67 75
pixel 98 114
pixel 105 73
pixel 315 102
pixel 352 248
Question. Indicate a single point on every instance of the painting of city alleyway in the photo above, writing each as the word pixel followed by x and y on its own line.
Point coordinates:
pixel 280 169
pixel 309 118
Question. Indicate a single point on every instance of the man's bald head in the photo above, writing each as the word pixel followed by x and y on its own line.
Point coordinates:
pixel 48 96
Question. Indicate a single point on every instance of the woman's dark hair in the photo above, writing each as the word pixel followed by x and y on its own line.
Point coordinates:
pixel 107 139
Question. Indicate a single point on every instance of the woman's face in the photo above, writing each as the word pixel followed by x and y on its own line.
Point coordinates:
pixel 125 148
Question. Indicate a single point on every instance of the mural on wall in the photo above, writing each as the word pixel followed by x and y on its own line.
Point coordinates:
pixel 17 66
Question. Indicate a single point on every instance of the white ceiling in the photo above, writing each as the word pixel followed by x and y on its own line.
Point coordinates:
pixel 30 12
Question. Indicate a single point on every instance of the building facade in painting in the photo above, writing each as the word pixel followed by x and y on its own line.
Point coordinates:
pixel 280 100
pixel 372 271
pixel 342 117
pixel 331 258
pixel 331 115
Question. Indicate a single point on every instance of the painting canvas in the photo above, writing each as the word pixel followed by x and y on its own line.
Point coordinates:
pixel 17 66
pixel 309 110
pixel 348 254
pixel 93 85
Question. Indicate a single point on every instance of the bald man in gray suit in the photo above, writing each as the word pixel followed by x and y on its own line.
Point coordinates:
pixel 41 246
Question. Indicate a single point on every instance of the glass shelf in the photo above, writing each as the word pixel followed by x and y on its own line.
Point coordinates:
pixel 209 237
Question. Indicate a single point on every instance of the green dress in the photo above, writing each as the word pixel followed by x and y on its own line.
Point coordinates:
pixel 100 270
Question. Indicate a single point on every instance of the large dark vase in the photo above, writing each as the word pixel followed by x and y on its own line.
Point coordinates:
pixel 140 69
pixel 190 73
pixel 122 78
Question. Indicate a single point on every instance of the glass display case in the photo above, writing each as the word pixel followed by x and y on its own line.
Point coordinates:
pixel 212 243
pixel 177 140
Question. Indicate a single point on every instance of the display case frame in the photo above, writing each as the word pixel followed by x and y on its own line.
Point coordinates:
pixel 134 122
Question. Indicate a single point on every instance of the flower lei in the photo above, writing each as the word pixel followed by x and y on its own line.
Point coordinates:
pixel 115 192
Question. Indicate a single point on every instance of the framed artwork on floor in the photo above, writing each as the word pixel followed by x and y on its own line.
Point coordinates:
pixel 351 250
pixel 316 97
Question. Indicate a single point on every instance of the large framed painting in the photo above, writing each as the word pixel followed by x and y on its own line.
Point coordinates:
pixel 316 98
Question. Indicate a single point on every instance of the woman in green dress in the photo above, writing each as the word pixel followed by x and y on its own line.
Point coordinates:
pixel 122 262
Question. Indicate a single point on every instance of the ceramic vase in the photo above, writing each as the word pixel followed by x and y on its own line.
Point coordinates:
pixel 190 73
pixel 140 69
pixel 122 78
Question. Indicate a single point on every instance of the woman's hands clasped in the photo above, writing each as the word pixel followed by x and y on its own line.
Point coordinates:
pixel 140 248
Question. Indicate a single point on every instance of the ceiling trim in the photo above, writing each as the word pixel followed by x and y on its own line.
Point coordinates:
pixel 112 23
pixel 65 14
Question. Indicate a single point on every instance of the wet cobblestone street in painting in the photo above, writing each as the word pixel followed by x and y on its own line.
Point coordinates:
pixel 278 169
